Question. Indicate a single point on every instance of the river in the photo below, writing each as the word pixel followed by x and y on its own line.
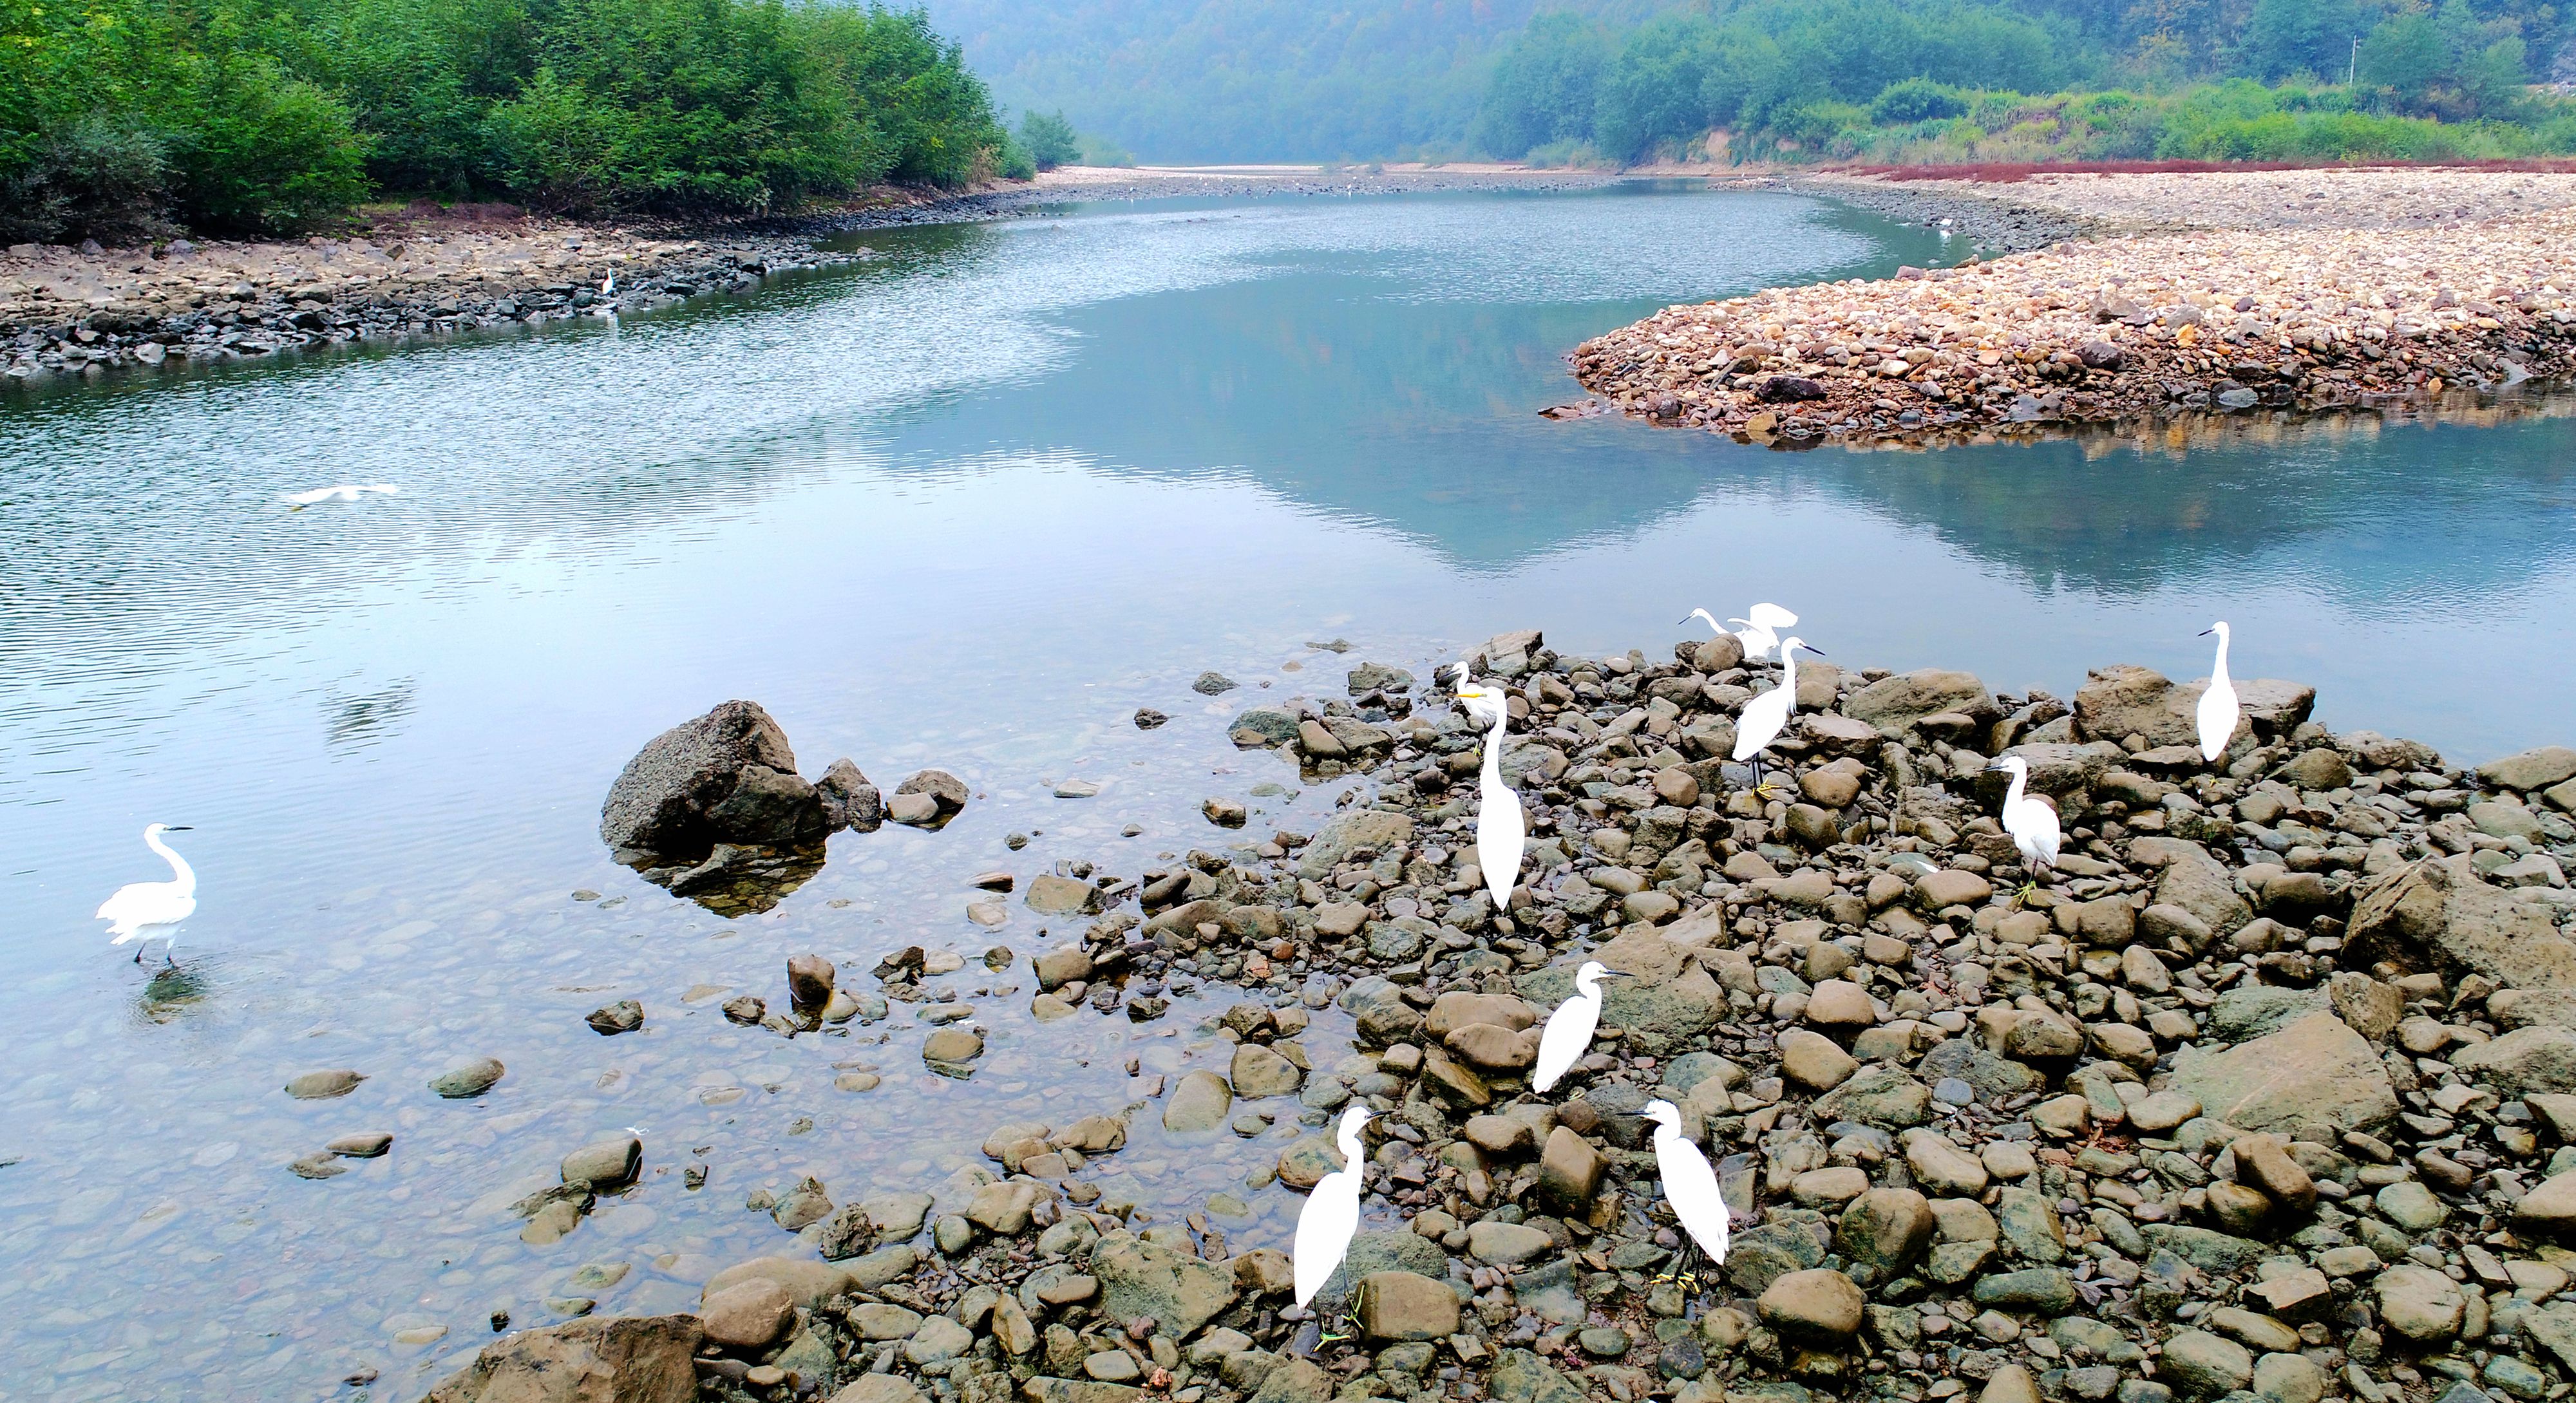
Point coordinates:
pixel 968 503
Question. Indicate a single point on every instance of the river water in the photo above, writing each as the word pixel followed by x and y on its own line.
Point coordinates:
pixel 969 503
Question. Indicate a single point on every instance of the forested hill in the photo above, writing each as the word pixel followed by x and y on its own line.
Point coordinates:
pixel 1218 80
pixel 1204 80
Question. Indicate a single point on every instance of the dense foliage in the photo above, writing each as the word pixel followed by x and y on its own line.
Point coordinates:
pixel 121 117
pixel 1954 79
pixel 1622 80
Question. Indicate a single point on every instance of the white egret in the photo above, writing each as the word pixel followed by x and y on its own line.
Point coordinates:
pixel 2030 821
pixel 1569 1030
pixel 1500 824
pixel 1760 723
pixel 343 492
pixel 1757 634
pixel 1690 1185
pixel 608 285
pixel 2217 705
pixel 142 910
pixel 1331 1214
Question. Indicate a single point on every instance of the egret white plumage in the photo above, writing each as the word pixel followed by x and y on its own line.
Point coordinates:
pixel 2031 822
pixel 2217 716
pixel 142 910
pixel 1331 1214
pixel 608 285
pixel 1500 824
pixel 1758 634
pixel 1765 715
pixel 1569 1030
pixel 1690 1185
pixel 343 492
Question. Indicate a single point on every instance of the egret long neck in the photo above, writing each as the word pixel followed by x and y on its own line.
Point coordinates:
pixel 2218 671
pixel 1789 676
pixel 2012 795
pixel 1494 743
pixel 179 869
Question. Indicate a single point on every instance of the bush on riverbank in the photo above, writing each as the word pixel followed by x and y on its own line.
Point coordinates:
pixel 122 118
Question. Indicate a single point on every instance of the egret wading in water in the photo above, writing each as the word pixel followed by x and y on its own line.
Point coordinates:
pixel 344 492
pixel 1331 1214
pixel 2030 821
pixel 1760 723
pixel 141 910
pixel 2217 705
pixel 1690 1185
pixel 1500 824
pixel 1569 1030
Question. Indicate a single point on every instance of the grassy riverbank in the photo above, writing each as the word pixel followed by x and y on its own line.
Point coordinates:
pixel 125 120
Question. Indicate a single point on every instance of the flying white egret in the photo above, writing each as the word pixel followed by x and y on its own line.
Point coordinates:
pixel 1500 825
pixel 1690 1185
pixel 1331 1214
pixel 1763 716
pixel 142 910
pixel 1569 1029
pixel 2031 822
pixel 2217 705
pixel 344 492
pixel 1757 635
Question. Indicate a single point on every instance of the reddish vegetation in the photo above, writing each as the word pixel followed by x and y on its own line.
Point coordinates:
pixel 2010 172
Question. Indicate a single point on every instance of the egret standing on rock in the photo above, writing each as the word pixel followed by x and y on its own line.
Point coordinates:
pixel 2217 705
pixel 1690 1186
pixel 1760 723
pixel 1500 825
pixel 2031 822
pixel 1331 1214
pixel 142 910
pixel 1569 1030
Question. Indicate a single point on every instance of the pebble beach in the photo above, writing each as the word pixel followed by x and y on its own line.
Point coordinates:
pixel 2267 1092
pixel 2275 291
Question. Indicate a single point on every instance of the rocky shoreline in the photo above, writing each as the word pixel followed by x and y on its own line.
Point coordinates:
pixel 84 312
pixel 68 312
pixel 2267 1095
pixel 2315 312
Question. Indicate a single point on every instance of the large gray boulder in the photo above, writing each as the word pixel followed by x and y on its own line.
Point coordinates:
pixel 1895 703
pixel 624 1360
pixel 2440 914
pixel 1180 1293
pixel 1668 1005
pixel 2124 700
pixel 2316 1070
pixel 725 777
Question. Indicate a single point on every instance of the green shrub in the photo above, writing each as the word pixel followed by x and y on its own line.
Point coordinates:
pixel 1049 140
pixel 1916 100
pixel 103 177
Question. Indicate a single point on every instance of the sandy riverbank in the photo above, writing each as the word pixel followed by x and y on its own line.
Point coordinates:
pixel 2279 290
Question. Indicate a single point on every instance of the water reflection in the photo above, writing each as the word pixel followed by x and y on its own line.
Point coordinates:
pixel 357 722
pixel 970 505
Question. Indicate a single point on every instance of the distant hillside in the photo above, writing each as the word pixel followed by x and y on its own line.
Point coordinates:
pixel 1219 80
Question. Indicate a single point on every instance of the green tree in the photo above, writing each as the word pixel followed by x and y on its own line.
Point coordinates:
pixel 1049 140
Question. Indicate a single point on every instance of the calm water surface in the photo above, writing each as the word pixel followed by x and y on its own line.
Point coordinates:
pixel 968 504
